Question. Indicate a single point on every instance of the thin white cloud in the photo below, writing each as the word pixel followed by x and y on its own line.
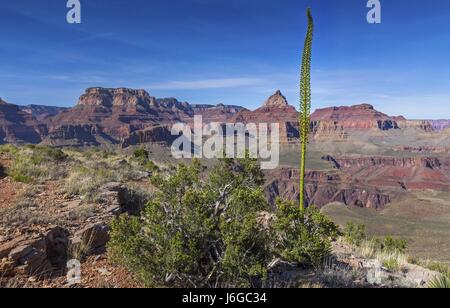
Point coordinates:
pixel 207 84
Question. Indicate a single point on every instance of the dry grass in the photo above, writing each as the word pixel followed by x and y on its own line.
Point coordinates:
pixel 35 164
pixel 339 275
pixel 26 211
pixel 79 251
pixel 95 169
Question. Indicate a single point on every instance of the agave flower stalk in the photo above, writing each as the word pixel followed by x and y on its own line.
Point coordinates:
pixel 305 104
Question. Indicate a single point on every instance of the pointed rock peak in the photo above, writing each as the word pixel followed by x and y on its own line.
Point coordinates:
pixel 2 102
pixel 276 100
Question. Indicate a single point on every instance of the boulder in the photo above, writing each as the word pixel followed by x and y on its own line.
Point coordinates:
pixel 6 247
pixel 411 276
pixel 36 256
pixel 117 199
pixel 113 196
pixel 91 239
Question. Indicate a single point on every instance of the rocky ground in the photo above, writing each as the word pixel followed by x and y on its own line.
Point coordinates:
pixel 44 223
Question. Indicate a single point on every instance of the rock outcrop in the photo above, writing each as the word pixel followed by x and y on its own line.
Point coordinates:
pixel 420 125
pixel 328 130
pixel 440 125
pixel 127 117
pixel 323 188
pixel 359 117
pixel 423 149
pixel 17 126
pixel 41 112
pixel 408 173
pixel 39 255
pixel 217 114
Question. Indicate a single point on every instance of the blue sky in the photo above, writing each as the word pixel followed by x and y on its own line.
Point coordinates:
pixel 229 51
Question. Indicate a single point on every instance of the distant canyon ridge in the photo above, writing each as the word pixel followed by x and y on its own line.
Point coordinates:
pixel 128 117
pixel 358 156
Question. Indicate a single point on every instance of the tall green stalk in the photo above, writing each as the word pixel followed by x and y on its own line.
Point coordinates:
pixel 305 104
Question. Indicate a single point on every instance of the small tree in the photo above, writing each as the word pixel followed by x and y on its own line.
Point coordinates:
pixel 305 104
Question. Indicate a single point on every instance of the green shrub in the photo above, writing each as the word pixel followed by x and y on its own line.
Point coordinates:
pixel 198 232
pixel 151 166
pixel 305 236
pixel 8 148
pixel 141 154
pixel 392 245
pixel 355 234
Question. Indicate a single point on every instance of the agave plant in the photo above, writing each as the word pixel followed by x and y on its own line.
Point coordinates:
pixel 305 103
pixel 439 282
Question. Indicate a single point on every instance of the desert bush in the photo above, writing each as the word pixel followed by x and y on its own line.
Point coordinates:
pixel 439 282
pixel 392 245
pixel 8 148
pixel 355 234
pixel 151 166
pixel 141 155
pixel 303 236
pixel 197 232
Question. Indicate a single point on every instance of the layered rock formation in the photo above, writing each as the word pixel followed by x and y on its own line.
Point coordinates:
pixel 439 125
pixel 127 117
pixel 421 125
pixel 328 130
pixel 17 126
pixel 369 182
pixel 422 149
pixel 359 117
pixel 407 173
pixel 217 114
pixel 41 112
pixel 323 188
